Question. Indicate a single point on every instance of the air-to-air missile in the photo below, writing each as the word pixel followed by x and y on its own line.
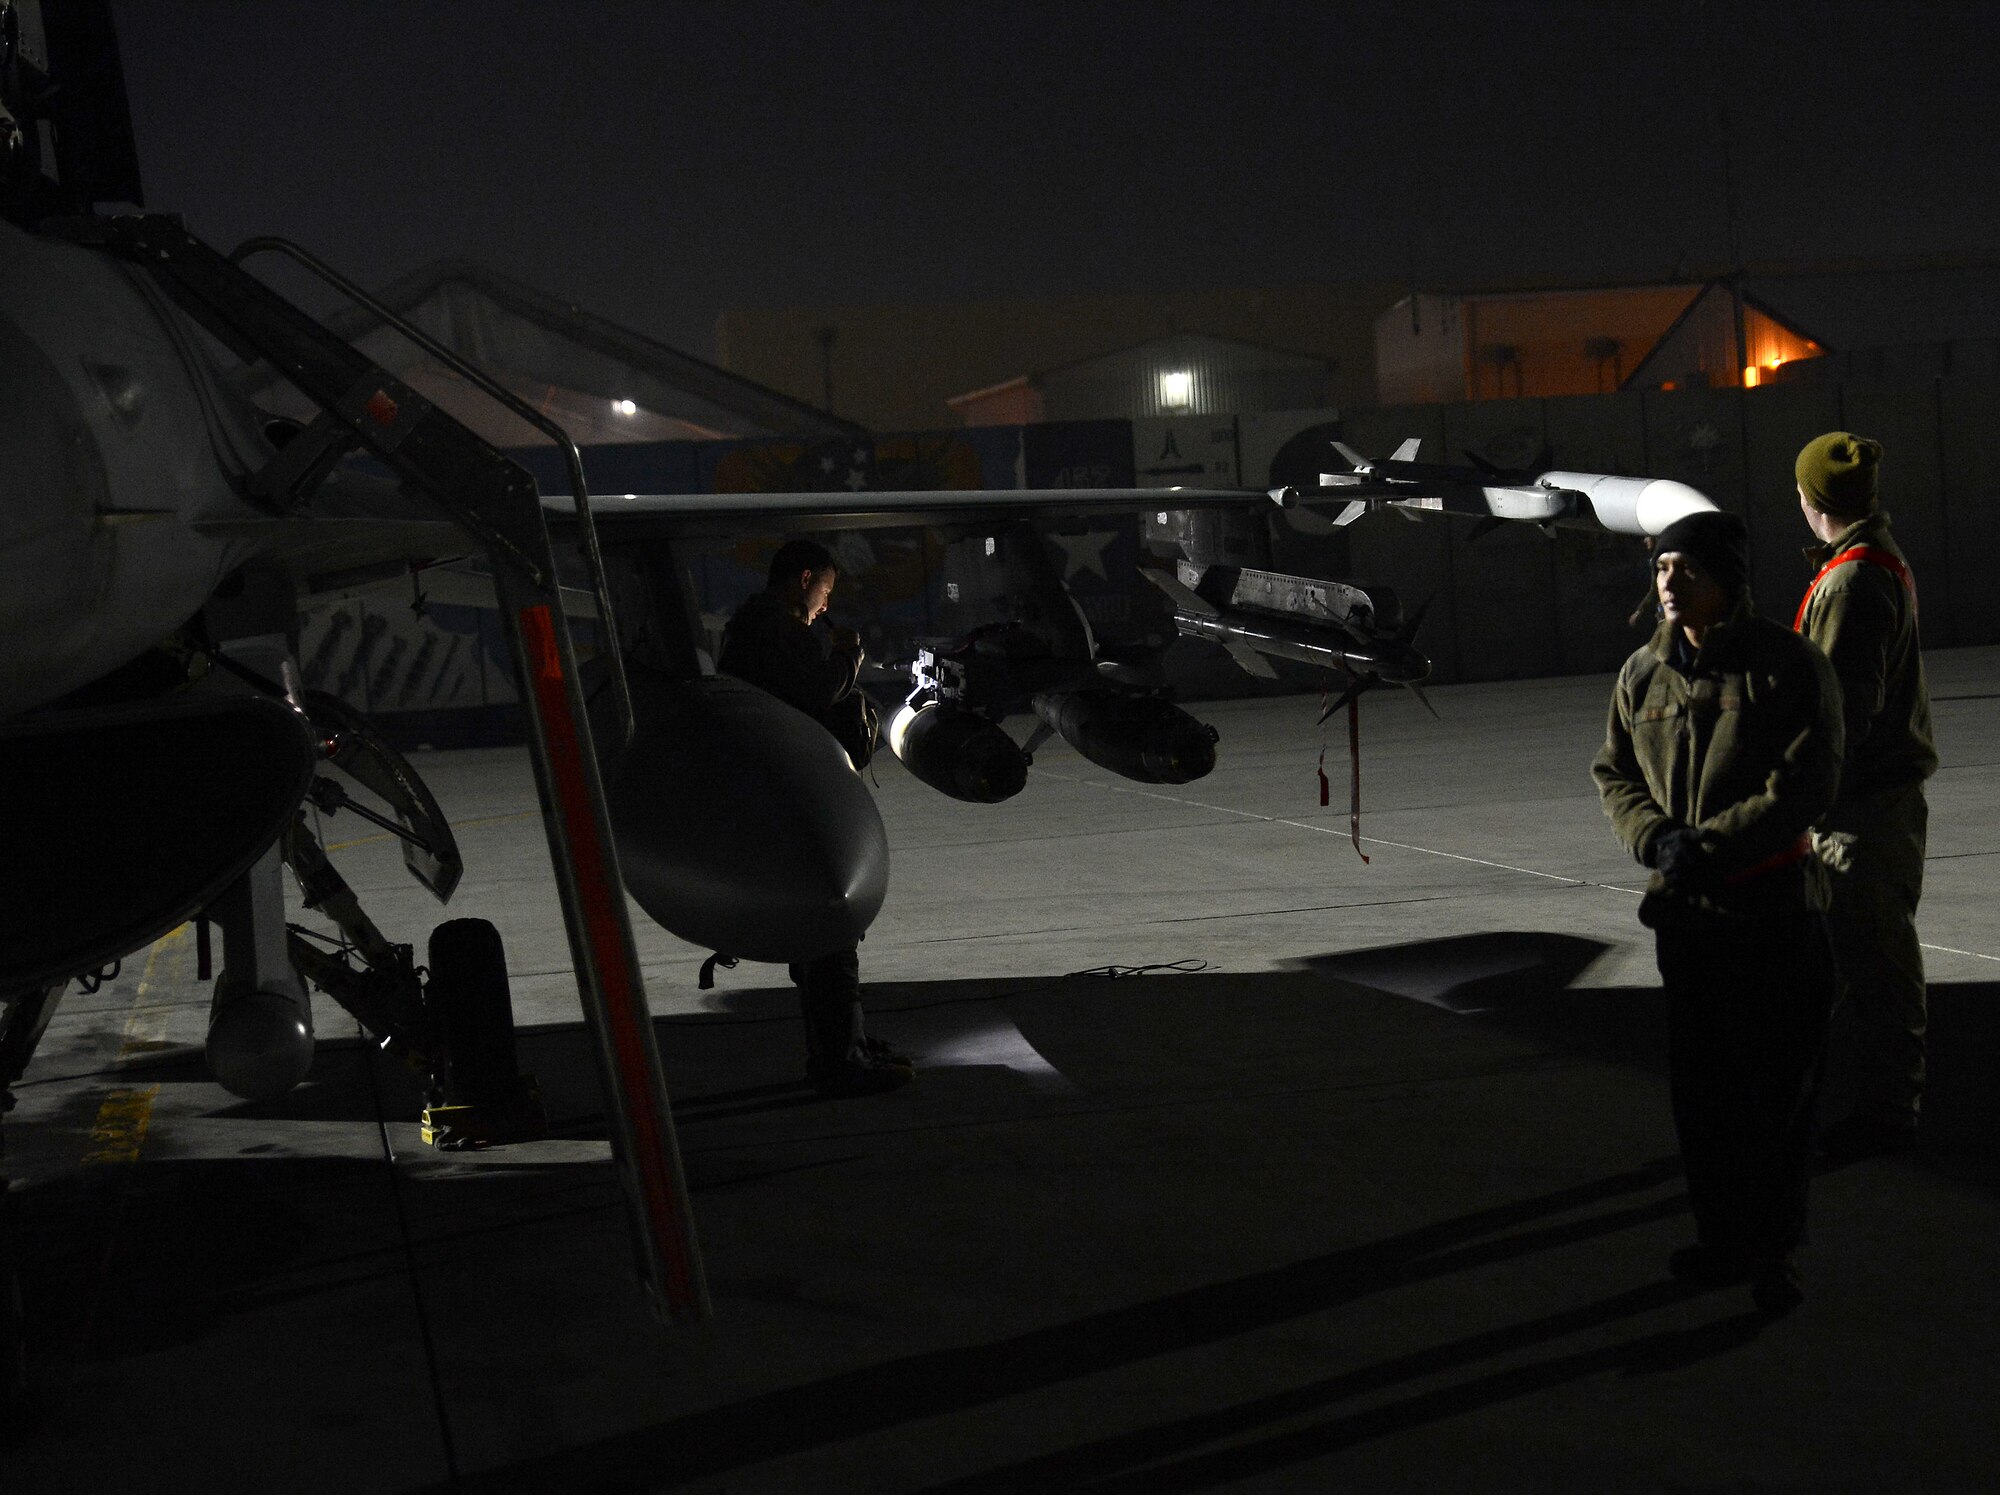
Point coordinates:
pixel 1259 614
pixel 1538 494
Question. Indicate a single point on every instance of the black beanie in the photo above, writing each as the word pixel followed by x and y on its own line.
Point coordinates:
pixel 1717 542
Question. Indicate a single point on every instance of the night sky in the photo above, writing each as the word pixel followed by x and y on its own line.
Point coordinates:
pixel 658 163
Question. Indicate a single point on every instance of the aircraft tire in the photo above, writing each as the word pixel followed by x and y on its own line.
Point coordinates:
pixel 471 1008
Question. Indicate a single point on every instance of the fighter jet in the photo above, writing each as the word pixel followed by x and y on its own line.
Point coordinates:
pixel 162 531
pixel 158 535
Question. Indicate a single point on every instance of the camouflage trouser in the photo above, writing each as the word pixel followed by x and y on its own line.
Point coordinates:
pixel 830 1002
pixel 1873 851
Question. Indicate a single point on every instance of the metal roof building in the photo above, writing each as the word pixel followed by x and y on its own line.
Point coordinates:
pixel 1811 326
pixel 1186 374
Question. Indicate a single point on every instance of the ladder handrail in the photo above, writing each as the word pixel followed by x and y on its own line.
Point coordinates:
pixel 474 375
pixel 497 502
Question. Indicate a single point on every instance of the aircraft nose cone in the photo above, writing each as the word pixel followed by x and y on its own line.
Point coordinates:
pixel 743 828
pixel 1404 664
pixel 1395 662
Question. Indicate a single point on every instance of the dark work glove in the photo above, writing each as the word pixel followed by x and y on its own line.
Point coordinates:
pixel 1678 857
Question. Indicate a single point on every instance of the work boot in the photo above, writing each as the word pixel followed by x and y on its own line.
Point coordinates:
pixel 1857 1136
pixel 860 1073
pixel 880 1048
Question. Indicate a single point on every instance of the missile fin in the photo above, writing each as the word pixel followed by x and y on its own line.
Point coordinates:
pixel 1407 452
pixel 1418 691
pixel 1353 510
pixel 1249 660
pixel 1181 596
pixel 1361 683
pixel 1408 632
pixel 1354 458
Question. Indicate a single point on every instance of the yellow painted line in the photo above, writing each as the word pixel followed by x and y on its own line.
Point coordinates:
pixel 457 825
pixel 122 1119
pixel 123 1116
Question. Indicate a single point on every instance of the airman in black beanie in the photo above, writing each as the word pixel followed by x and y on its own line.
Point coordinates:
pixel 1722 750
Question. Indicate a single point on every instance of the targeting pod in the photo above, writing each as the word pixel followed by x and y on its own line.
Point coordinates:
pixel 958 752
pixel 1136 737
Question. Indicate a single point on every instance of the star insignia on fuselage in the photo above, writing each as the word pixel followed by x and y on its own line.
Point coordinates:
pixel 1085 552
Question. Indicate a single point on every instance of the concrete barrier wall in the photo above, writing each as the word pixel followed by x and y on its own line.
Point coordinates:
pixel 1516 603
pixel 1969 478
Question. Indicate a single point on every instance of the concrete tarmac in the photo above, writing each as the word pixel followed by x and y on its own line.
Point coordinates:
pixel 1232 1163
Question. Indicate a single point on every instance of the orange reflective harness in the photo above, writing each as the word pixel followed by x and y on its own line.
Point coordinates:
pixel 1874 555
pixel 1796 852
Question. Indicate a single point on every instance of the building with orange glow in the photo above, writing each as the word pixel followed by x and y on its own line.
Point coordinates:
pixel 1434 348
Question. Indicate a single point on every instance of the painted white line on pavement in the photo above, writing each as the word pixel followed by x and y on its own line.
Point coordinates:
pixel 1431 851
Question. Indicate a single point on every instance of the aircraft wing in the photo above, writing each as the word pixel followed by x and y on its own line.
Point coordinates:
pixel 731 513
pixel 1634 506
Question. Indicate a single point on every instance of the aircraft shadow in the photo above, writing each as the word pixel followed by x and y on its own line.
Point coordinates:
pixel 129 1261
pixel 284 1226
pixel 1490 971
pixel 1519 982
pixel 1145 1459
pixel 854 1403
pixel 746 1058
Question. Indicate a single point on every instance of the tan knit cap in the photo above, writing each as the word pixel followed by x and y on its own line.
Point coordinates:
pixel 1837 472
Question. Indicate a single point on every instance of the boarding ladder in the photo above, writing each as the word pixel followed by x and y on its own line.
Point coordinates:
pixel 495 500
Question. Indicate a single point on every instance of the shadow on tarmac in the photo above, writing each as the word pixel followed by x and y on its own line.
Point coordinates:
pixel 740 1060
pixel 1515 982
pixel 1496 971
pixel 1134 1461
pixel 854 1403
pixel 222 1236
pixel 1519 981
